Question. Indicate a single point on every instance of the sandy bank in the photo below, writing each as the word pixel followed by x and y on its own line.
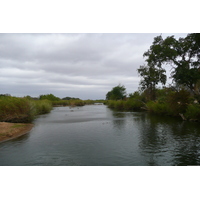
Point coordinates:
pixel 12 130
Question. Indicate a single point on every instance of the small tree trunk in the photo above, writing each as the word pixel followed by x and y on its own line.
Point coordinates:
pixel 182 116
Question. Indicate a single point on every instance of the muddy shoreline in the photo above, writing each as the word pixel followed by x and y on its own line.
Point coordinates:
pixel 9 131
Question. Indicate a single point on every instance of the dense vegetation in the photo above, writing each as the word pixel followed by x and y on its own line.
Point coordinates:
pixel 117 93
pixel 67 101
pixel 180 99
pixel 13 109
pixel 24 110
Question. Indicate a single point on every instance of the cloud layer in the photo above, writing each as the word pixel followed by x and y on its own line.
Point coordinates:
pixel 86 66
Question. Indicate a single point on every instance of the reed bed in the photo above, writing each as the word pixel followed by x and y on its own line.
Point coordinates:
pixel 129 105
pixel 22 110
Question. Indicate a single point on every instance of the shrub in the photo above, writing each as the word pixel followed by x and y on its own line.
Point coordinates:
pixel 178 101
pixel 133 105
pixel 111 103
pixel 158 108
pixel 119 105
pixel 193 111
pixel 49 97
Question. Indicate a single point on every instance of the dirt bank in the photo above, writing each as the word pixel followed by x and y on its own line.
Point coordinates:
pixel 13 130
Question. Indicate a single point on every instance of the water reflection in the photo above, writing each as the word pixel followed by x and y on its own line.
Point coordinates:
pixel 18 140
pixel 168 141
pixel 96 135
pixel 118 121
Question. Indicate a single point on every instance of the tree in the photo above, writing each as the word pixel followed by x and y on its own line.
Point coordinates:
pixel 118 92
pixel 151 76
pixel 49 97
pixel 182 54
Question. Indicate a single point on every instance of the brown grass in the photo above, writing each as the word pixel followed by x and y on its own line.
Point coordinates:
pixel 12 130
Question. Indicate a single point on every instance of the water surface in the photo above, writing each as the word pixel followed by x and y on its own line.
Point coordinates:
pixel 94 135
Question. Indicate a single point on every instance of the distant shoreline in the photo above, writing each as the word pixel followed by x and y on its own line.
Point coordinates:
pixel 9 131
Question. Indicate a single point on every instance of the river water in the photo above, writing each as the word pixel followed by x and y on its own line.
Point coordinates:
pixel 94 135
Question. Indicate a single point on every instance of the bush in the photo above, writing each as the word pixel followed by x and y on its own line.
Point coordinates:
pixel 133 105
pixel 129 105
pixel 110 103
pixel 158 108
pixel 193 111
pixel 49 97
pixel 178 102
pixel 119 105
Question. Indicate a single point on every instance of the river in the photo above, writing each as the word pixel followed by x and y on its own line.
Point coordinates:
pixel 94 135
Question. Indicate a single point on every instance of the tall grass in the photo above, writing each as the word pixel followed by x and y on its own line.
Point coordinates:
pixel 75 102
pixel 42 107
pixel 22 110
pixel 129 105
pixel 158 107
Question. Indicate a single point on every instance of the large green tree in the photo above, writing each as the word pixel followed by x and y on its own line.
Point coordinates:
pixel 182 54
pixel 117 93
pixel 151 76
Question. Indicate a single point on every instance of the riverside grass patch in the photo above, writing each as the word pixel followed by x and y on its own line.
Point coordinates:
pixel 75 102
pixel 129 105
pixel 22 110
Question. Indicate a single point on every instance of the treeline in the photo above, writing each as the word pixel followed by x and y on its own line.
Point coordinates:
pixel 167 101
pixel 180 99
pixel 67 101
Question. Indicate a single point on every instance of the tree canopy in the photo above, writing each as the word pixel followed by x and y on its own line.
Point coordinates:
pixel 118 92
pixel 182 54
pixel 50 97
pixel 151 76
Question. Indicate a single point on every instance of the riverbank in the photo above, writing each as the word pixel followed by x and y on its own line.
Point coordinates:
pixel 12 130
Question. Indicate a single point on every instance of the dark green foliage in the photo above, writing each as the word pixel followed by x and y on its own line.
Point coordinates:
pixel 193 112
pixel 133 105
pixel 70 98
pixel 178 102
pixel 49 97
pixel 169 102
pixel 183 54
pixel 151 76
pixel 126 105
pixel 119 105
pixel 158 107
pixel 117 93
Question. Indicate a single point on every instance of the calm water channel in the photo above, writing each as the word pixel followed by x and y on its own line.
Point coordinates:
pixel 94 135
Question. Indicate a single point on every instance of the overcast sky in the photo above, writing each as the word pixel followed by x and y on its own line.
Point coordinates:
pixel 85 66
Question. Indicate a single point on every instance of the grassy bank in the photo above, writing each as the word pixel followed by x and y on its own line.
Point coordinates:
pixel 128 105
pixel 167 102
pixel 73 103
pixel 12 130
pixel 22 110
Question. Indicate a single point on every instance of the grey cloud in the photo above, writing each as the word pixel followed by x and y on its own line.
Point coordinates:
pixel 82 65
